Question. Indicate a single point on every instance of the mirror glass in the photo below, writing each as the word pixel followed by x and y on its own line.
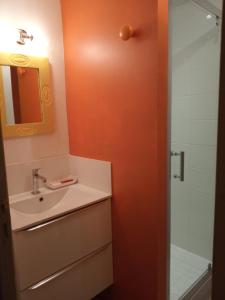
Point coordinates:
pixel 21 90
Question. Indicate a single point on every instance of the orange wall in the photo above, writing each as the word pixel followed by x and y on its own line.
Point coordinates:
pixel 15 94
pixel 117 108
pixel 30 107
pixel 26 100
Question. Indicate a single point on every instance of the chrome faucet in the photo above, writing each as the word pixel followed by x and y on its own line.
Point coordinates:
pixel 35 181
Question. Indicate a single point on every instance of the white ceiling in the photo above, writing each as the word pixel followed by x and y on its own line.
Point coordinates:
pixel 217 3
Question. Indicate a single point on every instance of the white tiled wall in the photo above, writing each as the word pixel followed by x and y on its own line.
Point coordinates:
pixel 19 175
pixel 34 16
pixel 195 82
pixel 90 172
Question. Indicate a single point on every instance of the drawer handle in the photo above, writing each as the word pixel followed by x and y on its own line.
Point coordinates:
pixel 61 218
pixel 67 269
pixel 47 223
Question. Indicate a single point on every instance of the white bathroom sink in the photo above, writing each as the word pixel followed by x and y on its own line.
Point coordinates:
pixel 35 204
pixel 27 209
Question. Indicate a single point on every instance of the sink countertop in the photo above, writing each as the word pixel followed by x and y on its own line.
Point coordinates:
pixel 75 197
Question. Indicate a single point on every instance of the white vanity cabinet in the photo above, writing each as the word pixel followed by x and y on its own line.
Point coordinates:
pixel 69 257
pixel 83 281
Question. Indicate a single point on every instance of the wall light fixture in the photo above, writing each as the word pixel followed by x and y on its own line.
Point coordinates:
pixel 23 35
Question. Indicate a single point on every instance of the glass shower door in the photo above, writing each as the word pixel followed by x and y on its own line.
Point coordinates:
pixel 195 86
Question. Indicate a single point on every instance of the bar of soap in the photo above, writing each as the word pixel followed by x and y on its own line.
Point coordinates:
pixel 57 184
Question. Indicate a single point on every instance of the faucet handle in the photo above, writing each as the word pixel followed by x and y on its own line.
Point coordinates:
pixel 35 171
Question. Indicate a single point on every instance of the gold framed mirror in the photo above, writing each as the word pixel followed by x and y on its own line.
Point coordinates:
pixel 26 101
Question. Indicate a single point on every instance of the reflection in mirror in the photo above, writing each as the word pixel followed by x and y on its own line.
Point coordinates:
pixel 21 94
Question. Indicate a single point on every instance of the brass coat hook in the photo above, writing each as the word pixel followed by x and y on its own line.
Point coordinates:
pixel 126 32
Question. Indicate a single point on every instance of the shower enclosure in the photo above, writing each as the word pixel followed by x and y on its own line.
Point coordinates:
pixel 195 60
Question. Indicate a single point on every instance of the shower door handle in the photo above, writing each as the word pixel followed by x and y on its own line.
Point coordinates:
pixel 181 155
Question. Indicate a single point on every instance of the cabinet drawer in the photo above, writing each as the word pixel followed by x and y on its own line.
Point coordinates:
pixel 80 281
pixel 44 250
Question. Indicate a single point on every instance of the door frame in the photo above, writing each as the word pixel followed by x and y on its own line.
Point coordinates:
pixel 7 270
pixel 218 271
pixel 169 125
pixel 218 286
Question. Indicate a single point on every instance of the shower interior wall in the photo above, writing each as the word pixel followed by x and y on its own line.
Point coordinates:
pixel 195 86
